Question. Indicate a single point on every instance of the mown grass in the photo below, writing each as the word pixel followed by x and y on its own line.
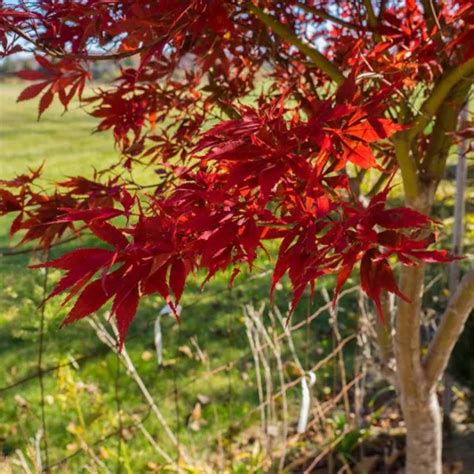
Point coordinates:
pixel 91 396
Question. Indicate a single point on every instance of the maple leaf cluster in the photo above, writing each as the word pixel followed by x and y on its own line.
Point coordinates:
pixel 231 176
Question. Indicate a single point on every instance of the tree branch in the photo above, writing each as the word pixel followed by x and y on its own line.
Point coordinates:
pixel 407 166
pixel 441 138
pixel 440 92
pixel 10 253
pixel 318 59
pixel 407 333
pixel 372 19
pixel 383 7
pixel 58 54
pixel 449 330
pixel 327 16
pixel 383 331
pixel 430 12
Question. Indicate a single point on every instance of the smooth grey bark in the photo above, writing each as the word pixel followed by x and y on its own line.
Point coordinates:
pixel 424 434
pixel 420 407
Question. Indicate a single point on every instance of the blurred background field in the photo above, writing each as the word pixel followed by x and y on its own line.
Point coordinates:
pixel 97 416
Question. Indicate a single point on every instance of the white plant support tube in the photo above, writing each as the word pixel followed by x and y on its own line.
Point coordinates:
pixel 158 333
pixel 305 401
pixel 158 340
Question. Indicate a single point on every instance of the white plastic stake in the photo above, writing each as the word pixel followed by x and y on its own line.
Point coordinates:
pixel 305 401
pixel 158 340
pixel 158 334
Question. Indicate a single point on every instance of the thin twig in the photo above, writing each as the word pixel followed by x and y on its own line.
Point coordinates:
pixel 13 253
pixel 152 442
pixel 105 337
pixel 118 402
pixel 337 335
pixel 255 354
pixel 40 365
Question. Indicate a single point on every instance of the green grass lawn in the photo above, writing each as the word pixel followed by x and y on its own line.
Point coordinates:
pixel 65 142
pixel 91 395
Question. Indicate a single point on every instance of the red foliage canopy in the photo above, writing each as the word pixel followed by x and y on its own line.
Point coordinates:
pixel 260 119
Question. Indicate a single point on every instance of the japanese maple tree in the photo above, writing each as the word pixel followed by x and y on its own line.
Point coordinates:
pixel 285 121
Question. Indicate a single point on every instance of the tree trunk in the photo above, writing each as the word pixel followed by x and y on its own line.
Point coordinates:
pixel 424 437
pixel 420 407
pixel 418 400
pixel 417 376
